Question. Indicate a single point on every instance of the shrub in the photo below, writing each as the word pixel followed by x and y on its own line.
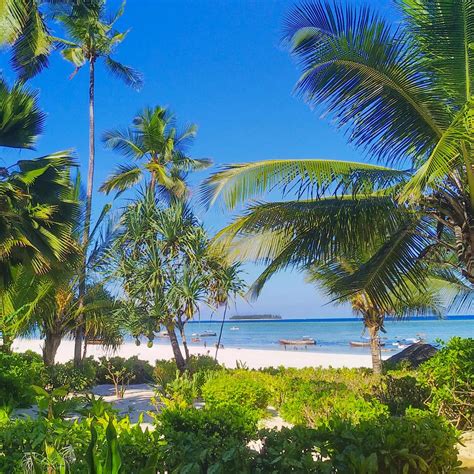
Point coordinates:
pixel 140 370
pixel 315 403
pixel 400 391
pixel 450 376
pixel 206 440
pixel 239 387
pixel 417 442
pixel 75 379
pixel 164 372
pixel 17 373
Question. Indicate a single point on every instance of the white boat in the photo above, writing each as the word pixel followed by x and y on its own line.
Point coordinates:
pixel 208 334
pixel 234 328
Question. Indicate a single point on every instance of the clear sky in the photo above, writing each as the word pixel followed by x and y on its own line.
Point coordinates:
pixel 219 64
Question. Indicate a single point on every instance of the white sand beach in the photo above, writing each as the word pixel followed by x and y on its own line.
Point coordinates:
pixel 229 356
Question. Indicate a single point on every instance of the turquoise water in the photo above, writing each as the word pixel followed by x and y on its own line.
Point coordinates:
pixel 331 337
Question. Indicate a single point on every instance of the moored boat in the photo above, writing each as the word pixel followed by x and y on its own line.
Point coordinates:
pixel 297 342
pixel 363 344
pixel 207 334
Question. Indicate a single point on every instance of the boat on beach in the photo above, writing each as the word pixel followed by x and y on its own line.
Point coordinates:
pixel 363 343
pixel 298 342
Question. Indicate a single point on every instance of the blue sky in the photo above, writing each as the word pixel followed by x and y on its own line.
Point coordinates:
pixel 219 64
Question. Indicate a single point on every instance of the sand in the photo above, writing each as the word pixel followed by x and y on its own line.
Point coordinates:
pixel 229 356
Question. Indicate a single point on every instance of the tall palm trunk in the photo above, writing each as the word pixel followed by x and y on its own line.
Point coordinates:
pixel 87 218
pixel 375 349
pixel 178 356
pixel 50 348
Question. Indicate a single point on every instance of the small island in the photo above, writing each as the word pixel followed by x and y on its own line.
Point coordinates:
pixel 254 317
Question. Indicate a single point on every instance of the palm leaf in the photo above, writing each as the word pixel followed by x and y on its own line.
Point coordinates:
pixel 236 183
pixel 366 76
pixel 128 75
pixel 124 178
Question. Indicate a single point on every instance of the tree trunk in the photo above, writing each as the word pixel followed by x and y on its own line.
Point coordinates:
pixel 220 333
pixel 87 218
pixel 50 348
pixel 7 342
pixel 178 356
pixel 375 349
pixel 183 339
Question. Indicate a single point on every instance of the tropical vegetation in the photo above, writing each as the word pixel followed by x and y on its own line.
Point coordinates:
pixel 393 236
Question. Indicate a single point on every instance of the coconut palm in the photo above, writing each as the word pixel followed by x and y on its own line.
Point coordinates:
pixel 428 301
pixel 155 140
pixel 403 96
pixel 91 37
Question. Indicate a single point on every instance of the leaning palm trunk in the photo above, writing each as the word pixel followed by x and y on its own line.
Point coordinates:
pixel 178 356
pixel 375 349
pixel 51 344
pixel 87 220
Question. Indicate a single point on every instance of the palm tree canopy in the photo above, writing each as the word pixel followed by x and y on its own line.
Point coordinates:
pixel 154 138
pixel 21 120
pixel 91 35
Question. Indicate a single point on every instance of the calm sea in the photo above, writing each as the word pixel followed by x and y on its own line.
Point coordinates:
pixel 331 335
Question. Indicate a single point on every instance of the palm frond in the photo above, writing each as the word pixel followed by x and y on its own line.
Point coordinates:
pixel 368 77
pixel 122 179
pixel 21 120
pixel 128 75
pixel 237 183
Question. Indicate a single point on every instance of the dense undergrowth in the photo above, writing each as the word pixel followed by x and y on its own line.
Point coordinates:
pixel 346 420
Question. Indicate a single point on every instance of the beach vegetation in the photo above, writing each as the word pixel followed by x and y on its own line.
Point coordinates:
pixel 240 387
pixel 450 377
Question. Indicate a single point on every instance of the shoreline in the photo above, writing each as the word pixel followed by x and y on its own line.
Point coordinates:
pixel 229 356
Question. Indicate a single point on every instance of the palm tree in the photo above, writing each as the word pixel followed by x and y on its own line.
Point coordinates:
pixel 92 37
pixel 403 96
pixel 419 302
pixel 155 139
pixel 36 214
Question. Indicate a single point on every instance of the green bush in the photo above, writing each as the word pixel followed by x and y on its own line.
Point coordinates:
pixel 75 379
pixel 17 373
pixel 141 370
pixel 417 442
pixel 314 403
pixel 450 377
pixel 206 440
pixel 164 372
pixel 239 387
pixel 402 390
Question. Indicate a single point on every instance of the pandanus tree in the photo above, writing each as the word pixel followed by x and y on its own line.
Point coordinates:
pixel 155 140
pixel 164 263
pixel 404 96
pixel 91 37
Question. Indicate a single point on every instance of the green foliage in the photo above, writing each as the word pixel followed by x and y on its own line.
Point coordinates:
pixel 417 442
pixel 401 390
pixel 17 373
pixel 75 379
pixel 450 376
pixel 164 372
pixel 141 370
pixel 206 440
pixel 241 387
pixel 316 403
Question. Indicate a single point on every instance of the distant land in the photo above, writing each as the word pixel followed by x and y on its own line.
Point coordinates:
pixel 253 317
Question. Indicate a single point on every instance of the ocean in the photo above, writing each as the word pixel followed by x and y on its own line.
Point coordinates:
pixel 331 335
